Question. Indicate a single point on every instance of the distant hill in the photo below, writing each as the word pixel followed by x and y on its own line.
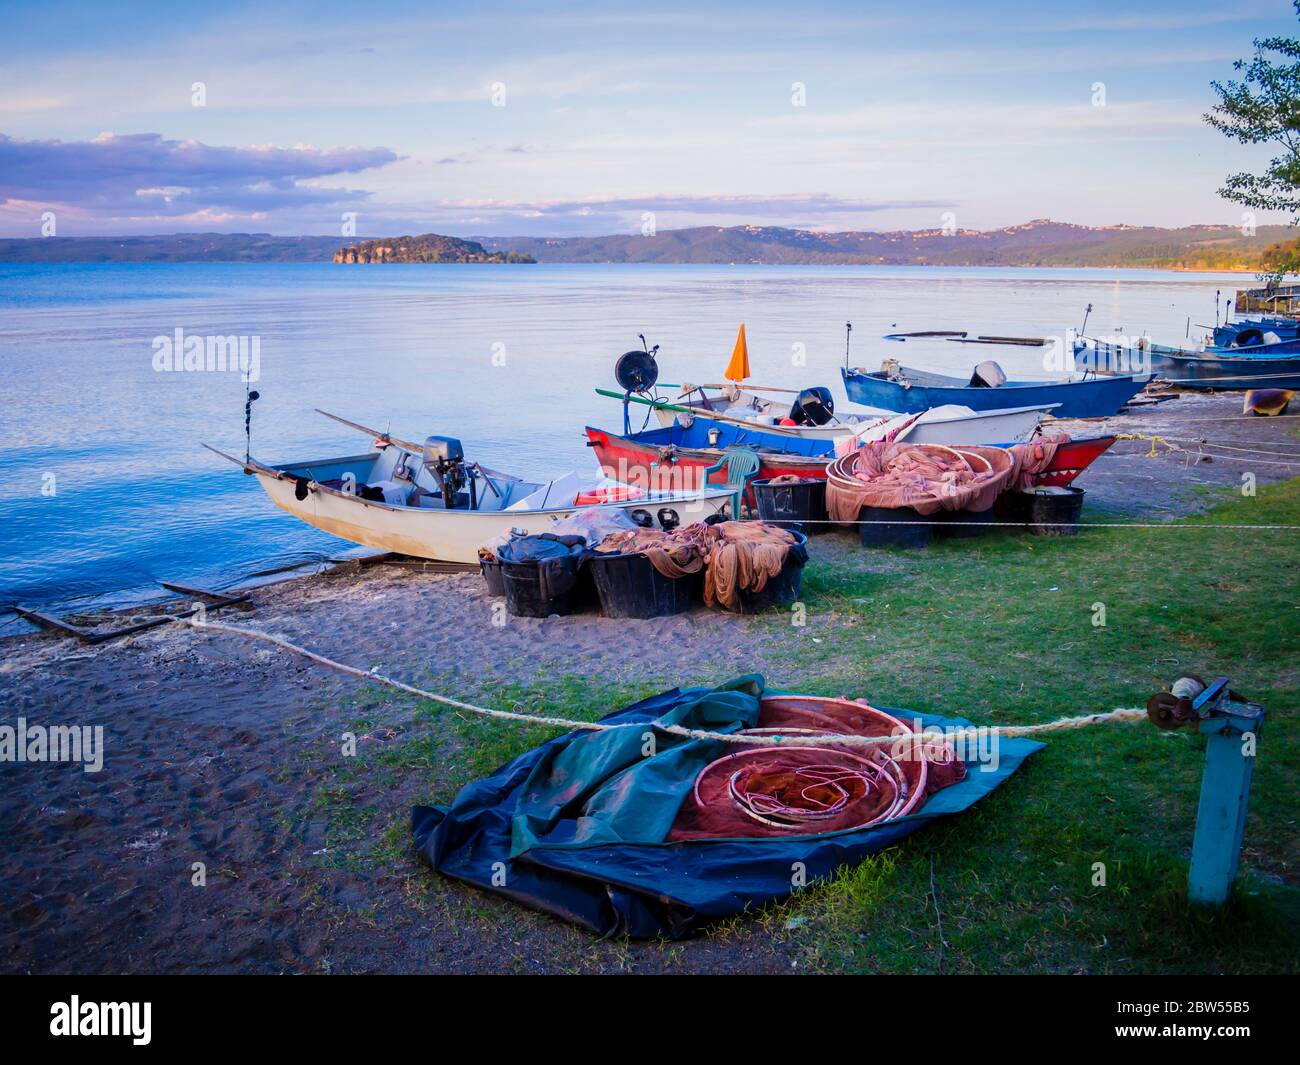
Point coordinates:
pixel 428 248
pixel 1039 243
pixel 246 248
pixel 170 248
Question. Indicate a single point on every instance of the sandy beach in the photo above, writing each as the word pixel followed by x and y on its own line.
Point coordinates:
pixel 228 753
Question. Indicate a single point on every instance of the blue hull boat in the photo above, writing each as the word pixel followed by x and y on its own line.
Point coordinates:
pixel 1231 373
pixel 908 391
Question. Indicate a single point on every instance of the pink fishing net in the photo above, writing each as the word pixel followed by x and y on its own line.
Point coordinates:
pixel 1034 457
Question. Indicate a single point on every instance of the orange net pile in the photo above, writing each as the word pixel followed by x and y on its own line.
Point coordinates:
pixel 743 555
pixel 734 555
pixel 926 477
pixel 674 554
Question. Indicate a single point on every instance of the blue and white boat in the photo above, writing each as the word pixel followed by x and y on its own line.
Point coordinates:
pixel 1230 369
pixel 903 389
pixel 1251 332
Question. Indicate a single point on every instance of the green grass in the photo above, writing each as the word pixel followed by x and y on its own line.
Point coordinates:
pixel 1001 630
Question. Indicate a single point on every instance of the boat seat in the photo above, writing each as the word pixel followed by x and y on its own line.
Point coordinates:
pixel 422 497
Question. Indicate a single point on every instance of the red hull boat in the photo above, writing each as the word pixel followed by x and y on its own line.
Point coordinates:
pixel 634 462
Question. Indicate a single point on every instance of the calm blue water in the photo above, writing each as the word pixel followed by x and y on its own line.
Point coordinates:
pixel 411 347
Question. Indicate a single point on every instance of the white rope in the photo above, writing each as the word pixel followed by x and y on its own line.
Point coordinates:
pixel 1027 524
pixel 1239 417
pixel 1204 454
pixel 1230 447
pixel 1227 377
pixel 975 732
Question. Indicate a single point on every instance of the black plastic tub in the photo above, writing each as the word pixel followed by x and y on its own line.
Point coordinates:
pixel 1046 511
pixel 630 587
pixel 491 570
pixel 905 528
pixel 783 589
pixel 798 505
pixel 962 524
pixel 545 575
pixel 529 593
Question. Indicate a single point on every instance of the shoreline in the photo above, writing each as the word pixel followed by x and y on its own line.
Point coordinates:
pixel 91 614
pixel 227 753
pixel 1235 272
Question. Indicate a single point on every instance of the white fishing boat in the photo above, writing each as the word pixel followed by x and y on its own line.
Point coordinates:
pixel 954 424
pixel 426 501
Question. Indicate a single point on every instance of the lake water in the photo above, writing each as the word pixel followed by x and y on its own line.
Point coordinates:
pixel 105 486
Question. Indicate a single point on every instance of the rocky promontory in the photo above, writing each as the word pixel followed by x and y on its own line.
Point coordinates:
pixel 428 248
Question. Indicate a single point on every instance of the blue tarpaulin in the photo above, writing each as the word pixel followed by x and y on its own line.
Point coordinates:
pixel 577 826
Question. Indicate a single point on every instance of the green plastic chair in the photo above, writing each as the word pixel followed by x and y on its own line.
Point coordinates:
pixel 741 465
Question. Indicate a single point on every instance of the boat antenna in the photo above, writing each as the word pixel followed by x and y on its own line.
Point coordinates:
pixel 249 397
pixel 848 331
pixel 1216 308
pixel 643 343
pixel 1086 311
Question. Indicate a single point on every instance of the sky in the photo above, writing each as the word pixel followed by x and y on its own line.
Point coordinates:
pixel 562 119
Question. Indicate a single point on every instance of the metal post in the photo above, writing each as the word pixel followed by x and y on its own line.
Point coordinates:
pixel 1232 729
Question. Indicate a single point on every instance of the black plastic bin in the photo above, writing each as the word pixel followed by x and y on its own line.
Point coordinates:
pixel 545 575
pixel 783 589
pixel 906 527
pixel 491 570
pixel 630 587
pixel 798 505
pixel 962 524
pixel 1046 511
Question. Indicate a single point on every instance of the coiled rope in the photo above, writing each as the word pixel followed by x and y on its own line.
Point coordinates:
pixel 761 740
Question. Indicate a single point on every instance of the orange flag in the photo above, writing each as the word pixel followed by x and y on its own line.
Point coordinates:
pixel 738 367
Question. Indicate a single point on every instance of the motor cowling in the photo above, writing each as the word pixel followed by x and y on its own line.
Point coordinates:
pixel 813 406
pixel 989 374
pixel 443 450
pixel 445 459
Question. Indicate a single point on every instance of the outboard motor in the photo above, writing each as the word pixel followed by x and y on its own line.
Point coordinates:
pixel 813 406
pixel 988 375
pixel 445 459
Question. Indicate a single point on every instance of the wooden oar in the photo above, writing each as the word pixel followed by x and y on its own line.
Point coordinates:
pixel 754 388
pixel 714 415
pixel 405 445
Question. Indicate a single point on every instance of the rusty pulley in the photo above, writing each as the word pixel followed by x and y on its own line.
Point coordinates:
pixel 1174 708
